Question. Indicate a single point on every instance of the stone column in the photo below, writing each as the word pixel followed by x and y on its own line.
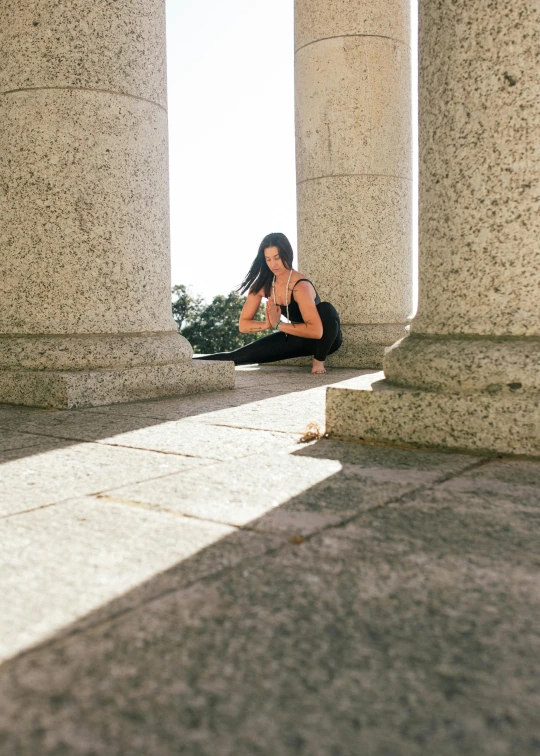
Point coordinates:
pixel 470 370
pixel 85 304
pixel 353 139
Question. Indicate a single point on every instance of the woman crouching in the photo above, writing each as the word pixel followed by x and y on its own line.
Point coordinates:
pixel 312 328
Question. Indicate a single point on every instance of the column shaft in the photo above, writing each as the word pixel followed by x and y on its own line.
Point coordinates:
pixel 478 322
pixel 468 376
pixel 353 130
pixel 85 265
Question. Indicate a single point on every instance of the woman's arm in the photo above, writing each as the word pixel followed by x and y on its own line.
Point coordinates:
pixel 312 327
pixel 247 323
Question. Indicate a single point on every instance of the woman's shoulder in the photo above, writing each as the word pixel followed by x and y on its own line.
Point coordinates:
pixel 304 288
pixel 301 281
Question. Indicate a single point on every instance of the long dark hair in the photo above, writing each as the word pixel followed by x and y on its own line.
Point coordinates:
pixel 260 276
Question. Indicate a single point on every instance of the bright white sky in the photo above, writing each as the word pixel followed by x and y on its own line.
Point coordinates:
pixel 231 136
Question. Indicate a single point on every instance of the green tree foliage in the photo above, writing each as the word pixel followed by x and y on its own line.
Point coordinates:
pixel 185 306
pixel 211 327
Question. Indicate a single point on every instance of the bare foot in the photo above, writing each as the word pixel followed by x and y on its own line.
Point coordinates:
pixel 318 367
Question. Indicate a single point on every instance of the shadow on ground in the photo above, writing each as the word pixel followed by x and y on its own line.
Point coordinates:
pixel 391 609
pixel 26 431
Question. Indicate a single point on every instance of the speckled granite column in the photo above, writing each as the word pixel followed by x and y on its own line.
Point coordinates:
pixel 85 306
pixel 470 370
pixel 353 138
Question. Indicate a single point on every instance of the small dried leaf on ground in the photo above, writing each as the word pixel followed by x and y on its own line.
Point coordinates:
pixel 313 432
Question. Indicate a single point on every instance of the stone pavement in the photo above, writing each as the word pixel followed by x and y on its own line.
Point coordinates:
pixel 191 576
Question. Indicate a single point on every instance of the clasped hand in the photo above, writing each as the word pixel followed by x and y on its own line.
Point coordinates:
pixel 273 312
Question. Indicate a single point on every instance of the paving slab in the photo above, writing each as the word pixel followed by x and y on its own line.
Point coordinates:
pixel 447 516
pixel 80 425
pixel 58 470
pixel 183 436
pixel 61 563
pixel 239 546
pixel 193 407
pixel 390 458
pixel 274 413
pixel 12 439
pixel 493 489
pixel 295 493
pixel 207 441
pixel 509 471
pixel 9 411
pixel 241 492
pixel 266 406
pixel 254 408
pixel 265 596
pixel 477 492
pixel 293 377
pixel 397 641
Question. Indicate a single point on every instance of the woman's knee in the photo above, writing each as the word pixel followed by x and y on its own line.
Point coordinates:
pixel 338 341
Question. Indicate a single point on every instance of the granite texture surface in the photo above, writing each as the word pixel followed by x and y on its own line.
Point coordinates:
pixel 85 208
pixel 461 364
pixel 86 388
pixel 12 439
pixel 319 597
pixel 192 437
pixel 331 670
pixel 474 349
pixel 499 423
pixel 86 221
pixel 56 469
pixel 87 351
pixel 224 493
pixel 354 150
pixel 353 108
pixel 318 19
pixel 82 572
pixel 355 243
pixel 479 203
pixel 116 46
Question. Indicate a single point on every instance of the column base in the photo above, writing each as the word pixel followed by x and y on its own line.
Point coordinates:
pixel 66 389
pixel 377 412
pixel 363 347
pixel 465 364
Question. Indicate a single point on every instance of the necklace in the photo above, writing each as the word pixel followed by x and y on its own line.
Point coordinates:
pixel 286 292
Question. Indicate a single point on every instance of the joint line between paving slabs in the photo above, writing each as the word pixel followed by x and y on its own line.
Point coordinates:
pixel 403 498
pixel 187 515
pixel 130 610
pixel 153 451
pixel 286 544
pixel 249 428
pixel 250 559
pixel 105 491
pixel 72 440
pixel 288 541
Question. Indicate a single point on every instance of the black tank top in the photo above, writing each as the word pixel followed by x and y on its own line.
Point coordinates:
pixel 295 316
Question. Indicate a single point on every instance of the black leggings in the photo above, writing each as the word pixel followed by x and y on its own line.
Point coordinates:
pixel 283 346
